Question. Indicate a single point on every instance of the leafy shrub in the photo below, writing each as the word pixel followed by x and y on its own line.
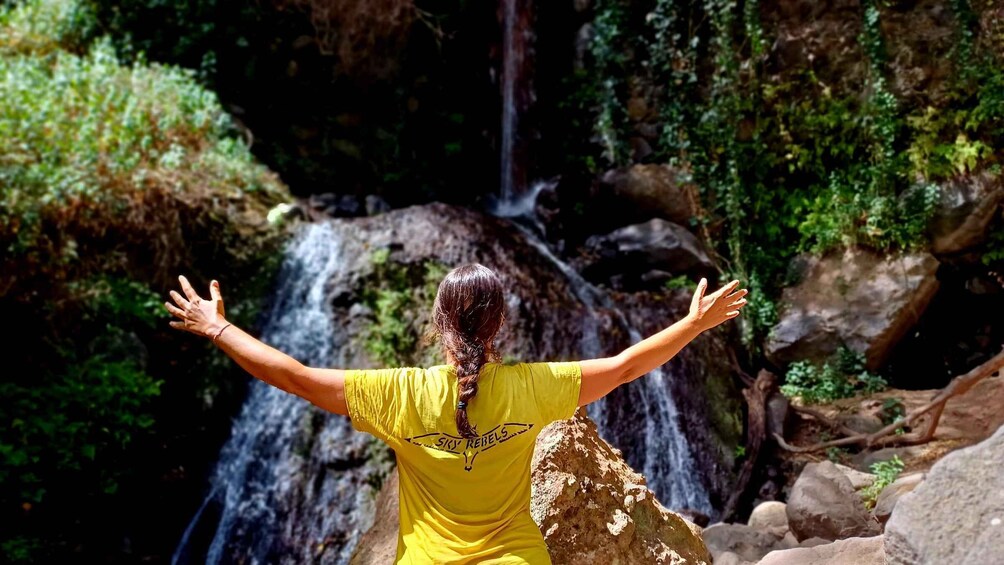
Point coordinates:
pixel 885 473
pixel 841 377
pixel 112 176
pixel 786 162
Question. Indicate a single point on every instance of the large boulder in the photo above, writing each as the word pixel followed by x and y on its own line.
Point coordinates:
pixel 965 210
pixel 593 508
pixel 770 517
pixel 646 254
pixel 641 192
pixel 858 298
pixel 379 543
pixel 957 514
pixel 890 495
pixel 851 551
pixel 589 504
pixel 824 504
pixel 550 319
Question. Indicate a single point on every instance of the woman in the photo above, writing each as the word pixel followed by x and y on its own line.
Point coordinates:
pixel 463 432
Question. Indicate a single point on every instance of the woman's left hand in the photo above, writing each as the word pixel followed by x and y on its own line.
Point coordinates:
pixel 197 315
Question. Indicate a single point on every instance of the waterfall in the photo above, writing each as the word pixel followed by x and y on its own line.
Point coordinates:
pixel 517 39
pixel 667 460
pixel 291 482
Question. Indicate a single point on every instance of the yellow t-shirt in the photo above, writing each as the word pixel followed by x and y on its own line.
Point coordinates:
pixel 464 501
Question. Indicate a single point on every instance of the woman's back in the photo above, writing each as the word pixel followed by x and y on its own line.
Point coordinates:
pixel 464 498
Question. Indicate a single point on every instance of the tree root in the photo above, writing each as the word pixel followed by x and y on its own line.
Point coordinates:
pixel 887 436
pixel 757 395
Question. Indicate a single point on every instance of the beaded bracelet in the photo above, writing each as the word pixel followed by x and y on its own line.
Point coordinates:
pixel 219 333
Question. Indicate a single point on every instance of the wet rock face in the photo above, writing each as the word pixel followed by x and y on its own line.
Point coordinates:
pixel 703 382
pixel 644 191
pixel 544 319
pixel 646 254
pixel 956 515
pixel 858 298
pixel 547 321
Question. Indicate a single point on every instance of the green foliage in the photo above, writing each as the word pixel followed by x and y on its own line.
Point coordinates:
pixel 400 300
pixel 892 410
pixel 113 178
pixel 885 473
pixel 835 454
pixel 790 165
pixel 678 282
pixel 610 61
pixel 89 414
pixel 85 141
pixel 841 377
pixel 994 251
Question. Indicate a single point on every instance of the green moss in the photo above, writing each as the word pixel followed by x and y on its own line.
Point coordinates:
pixel 401 299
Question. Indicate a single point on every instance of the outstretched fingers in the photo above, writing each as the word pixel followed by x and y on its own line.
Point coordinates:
pixel 175 310
pixel 187 287
pixel 214 290
pixel 179 299
pixel 737 298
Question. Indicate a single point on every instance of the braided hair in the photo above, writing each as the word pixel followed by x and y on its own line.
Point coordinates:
pixel 469 312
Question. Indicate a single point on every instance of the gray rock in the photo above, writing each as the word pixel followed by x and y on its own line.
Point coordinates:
pixel 748 543
pixel 813 542
pixel 823 504
pixel 636 250
pixel 657 191
pixel 956 515
pixel 729 558
pixel 890 495
pixel 966 208
pixel 858 479
pixel 858 298
pixel 851 551
pixel 770 517
pixel 376 205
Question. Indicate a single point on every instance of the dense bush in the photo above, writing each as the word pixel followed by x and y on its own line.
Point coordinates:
pixel 113 179
pixel 842 377
pixel 786 162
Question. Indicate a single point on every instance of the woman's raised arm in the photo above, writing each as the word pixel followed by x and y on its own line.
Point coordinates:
pixel 600 376
pixel 323 387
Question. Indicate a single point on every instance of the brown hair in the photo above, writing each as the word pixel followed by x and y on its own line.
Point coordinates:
pixel 467 316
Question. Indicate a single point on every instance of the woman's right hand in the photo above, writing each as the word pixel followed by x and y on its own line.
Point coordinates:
pixel 196 314
pixel 724 304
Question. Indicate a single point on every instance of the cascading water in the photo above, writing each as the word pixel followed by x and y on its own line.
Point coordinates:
pixel 517 39
pixel 291 483
pixel 667 462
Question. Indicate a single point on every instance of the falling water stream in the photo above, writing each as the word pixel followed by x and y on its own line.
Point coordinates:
pixel 277 462
pixel 668 462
